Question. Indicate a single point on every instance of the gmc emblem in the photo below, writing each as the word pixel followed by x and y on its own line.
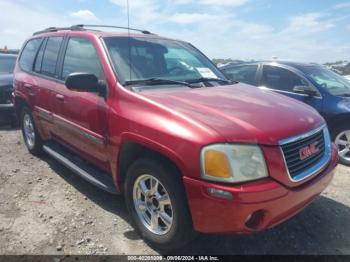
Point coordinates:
pixel 308 151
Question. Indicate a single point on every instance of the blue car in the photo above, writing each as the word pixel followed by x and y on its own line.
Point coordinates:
pixel 313 84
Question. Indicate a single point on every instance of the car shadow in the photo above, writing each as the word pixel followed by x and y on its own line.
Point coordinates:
pixel 322 228
pixel 109 202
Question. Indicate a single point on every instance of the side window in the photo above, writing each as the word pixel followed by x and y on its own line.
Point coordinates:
pixel 245 74
pixel 280 79
pixel 81 56
pixel 28 54
pixel 50 56
pixel 39 58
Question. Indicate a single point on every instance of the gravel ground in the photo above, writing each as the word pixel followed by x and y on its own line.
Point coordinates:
pixel 45 209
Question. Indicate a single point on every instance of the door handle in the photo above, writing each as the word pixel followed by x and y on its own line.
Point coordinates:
pixel 60 97
pixel 28 86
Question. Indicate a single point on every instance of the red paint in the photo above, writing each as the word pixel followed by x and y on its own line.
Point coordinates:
pixel 278 203
pixel 178 124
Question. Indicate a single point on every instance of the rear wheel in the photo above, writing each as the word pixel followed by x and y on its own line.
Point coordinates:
pixel 341 137
pixel 30 133
pixel 157 204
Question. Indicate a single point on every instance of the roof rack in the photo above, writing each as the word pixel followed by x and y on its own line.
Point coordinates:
pixel 82 27
pixel 56 29
pixel 112 26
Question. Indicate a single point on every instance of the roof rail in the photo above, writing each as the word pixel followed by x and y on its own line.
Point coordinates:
pixel 112 26
pixel 56 29
pixel 82 27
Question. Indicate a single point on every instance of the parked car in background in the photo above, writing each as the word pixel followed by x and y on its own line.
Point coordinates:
pixel 326 91
pixel 7 65
pixel 154 119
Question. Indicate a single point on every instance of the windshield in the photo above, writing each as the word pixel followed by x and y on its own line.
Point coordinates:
pixel 145 58
pixel 333 83
pixel 7 64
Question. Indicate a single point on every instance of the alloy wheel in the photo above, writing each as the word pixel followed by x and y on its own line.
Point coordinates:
pixel 153 204
pixel 343 142
pixel 29 132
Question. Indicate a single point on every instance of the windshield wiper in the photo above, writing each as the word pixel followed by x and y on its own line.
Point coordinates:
pixel 157 81
pixel 209 79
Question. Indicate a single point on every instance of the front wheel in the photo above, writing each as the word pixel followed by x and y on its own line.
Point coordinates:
pixel 341 138
pixel 30 134
pixel 157 204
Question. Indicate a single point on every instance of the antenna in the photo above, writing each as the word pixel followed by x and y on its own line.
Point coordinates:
pixel 129 44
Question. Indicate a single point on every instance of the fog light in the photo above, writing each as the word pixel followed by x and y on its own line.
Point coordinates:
pixel 248 218
pixel 220 193
pixel 255 220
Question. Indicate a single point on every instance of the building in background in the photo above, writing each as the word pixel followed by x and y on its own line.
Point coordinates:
pixel 5 50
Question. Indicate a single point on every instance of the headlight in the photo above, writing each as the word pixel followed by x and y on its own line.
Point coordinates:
pixel 233 163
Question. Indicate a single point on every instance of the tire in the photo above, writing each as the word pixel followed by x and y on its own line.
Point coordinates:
pixel 341 137
pixel 30 133
pixel 167 237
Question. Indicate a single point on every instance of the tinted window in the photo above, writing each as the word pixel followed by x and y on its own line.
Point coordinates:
pixel 245 74
pixel 50 56
pixel 28 54
pixel 280 79
pixel 7 64
pixel 81 56
pixel 39 58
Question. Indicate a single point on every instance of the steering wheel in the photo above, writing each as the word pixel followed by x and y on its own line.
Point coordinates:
pixel 178 68
pixel 324 85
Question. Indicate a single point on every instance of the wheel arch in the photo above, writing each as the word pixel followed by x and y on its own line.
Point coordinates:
pixel 338 121
pixel 20 102
pixel 133 149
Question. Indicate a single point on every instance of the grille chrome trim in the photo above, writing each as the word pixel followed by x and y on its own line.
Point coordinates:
pixel 320 164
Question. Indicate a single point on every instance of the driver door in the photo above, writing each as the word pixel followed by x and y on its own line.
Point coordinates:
pixel 284 81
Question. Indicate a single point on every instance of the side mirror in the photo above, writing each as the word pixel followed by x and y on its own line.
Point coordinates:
pixel 82 82
pixel 306 90
pixel 85 82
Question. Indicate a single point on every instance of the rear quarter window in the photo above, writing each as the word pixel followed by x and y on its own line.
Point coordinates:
pixel 28 54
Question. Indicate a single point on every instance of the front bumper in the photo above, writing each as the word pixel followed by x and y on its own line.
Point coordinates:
pixel 7 112
pixel 6 107
pixel 255 206
pixel 6 100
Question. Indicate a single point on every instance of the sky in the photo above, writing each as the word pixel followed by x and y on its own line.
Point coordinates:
pixel 303 30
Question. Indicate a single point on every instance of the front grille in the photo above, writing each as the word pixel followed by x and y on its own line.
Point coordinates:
pixel 291 151
pixel 5 95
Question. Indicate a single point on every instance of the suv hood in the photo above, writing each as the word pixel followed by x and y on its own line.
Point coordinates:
pixel 6 80
pixel 241 113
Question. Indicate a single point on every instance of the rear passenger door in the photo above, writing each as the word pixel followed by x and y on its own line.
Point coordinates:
pixel 46 75
pixel 37 84
pixel 25 83
pixel 81 117
pixel 283 81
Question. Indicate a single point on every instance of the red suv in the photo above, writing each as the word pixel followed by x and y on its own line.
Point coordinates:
pixel 152 118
